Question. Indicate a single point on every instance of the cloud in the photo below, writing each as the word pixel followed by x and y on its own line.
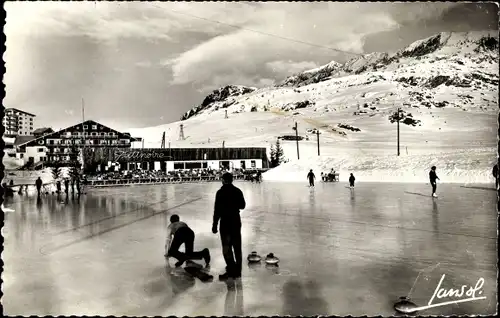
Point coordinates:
pixel 144 64
pixel 344 27
pixel 165 56
pixel 290 67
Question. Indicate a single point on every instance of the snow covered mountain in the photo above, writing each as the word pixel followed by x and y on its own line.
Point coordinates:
pixel 446 86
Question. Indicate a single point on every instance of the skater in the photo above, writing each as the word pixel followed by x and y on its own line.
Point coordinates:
pixel 351 181
pixel 179 233
pixel 495 175
pixel 58 187
pixel 432 178
pixel 311 178
pixel 229 200
pixel 77 184
pixel 38 184
pixel 66 185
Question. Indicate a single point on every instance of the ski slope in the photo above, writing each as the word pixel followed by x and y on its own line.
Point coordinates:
pixel 448 83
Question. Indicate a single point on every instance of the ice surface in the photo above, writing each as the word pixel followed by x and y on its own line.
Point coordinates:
pixel 341 252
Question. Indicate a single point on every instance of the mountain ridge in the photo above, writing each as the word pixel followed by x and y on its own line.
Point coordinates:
pixel 471 48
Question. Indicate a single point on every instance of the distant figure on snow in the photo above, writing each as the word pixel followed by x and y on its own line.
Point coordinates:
pixel 311 178
pixel 351 181
pixel 38 184
pixel 58 186
pixel 179 233
pixel 432 178
pixel 495 175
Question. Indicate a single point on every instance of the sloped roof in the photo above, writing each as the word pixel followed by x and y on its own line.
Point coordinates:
pixel 23 139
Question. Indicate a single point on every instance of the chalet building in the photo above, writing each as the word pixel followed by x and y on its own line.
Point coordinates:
pixel 39 132
pixel 17 122
pixel 175 159
pixel 64 145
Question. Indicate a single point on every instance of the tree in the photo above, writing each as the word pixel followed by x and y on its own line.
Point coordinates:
pixel 273 157
pixel 56 172
pixel 277 154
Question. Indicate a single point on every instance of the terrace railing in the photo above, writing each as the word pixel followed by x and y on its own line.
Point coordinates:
pixel 159 180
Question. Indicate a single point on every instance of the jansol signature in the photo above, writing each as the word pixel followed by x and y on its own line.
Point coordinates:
pixel 471 294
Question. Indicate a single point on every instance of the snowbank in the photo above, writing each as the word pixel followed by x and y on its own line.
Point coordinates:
pixel 455 167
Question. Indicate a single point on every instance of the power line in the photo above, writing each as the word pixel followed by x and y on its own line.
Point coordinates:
pixel 260 32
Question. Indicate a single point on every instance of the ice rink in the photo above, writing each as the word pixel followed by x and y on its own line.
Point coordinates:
pixel 342 252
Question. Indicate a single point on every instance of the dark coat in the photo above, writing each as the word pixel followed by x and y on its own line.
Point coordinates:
pixel 229 200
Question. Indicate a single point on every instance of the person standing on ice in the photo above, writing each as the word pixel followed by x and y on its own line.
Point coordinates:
pixel 351 181
pixel 432 178
pixel 311 178
pixel 38 184
pixel 66 185
pixel 179 233
pixel 229 200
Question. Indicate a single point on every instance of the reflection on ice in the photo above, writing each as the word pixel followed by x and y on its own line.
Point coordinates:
pixel 342 251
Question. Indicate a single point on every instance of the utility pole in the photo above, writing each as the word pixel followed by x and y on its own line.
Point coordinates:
pixel 317 135
pixel 398 129
pixel 142 143
pixel 225 117
pixel 163 141
pixel 181 132
pixel 297 139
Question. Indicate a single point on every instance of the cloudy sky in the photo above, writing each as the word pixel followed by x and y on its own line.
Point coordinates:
pixel 145 64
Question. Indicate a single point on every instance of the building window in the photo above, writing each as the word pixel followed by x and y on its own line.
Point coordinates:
pixel 94 127
pixel 85 127
pixel 205 165
pixel 51 142
pixel 103 134
pixel 193 165
pixel 75 133
pixel 178 165
pixel 93 134
pixel 40 149
pixel 112 134
pixel 252 163
pixel 85 134
pixel 40 142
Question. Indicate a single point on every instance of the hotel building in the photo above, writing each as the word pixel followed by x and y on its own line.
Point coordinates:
pixel 18 122
pixel 64 145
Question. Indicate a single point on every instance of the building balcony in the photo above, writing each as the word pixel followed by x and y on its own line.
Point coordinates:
pixel 88 137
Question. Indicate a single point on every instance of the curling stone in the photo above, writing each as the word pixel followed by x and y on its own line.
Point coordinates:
pixel 405 306
pixel 254 257
pixel 271 259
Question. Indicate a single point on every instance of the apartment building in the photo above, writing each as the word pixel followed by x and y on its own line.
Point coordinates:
pixel 64 145
pixel 18 122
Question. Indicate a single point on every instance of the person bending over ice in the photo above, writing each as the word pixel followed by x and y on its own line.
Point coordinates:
pixel 179 233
